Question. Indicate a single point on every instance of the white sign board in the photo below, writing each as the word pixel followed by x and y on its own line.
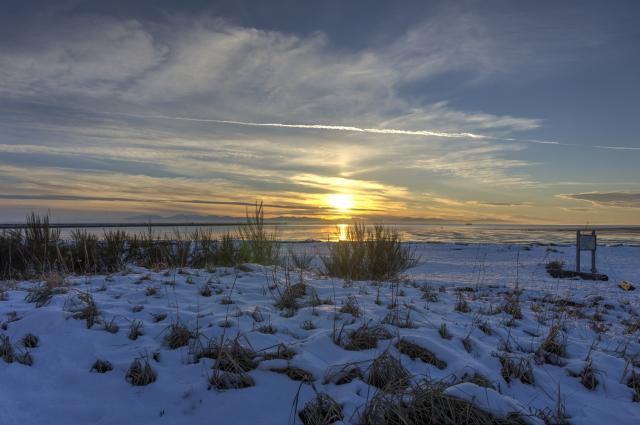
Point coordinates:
pixel 587 243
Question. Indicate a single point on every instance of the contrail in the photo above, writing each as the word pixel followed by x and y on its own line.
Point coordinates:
pixel 320 127
pixel 420 133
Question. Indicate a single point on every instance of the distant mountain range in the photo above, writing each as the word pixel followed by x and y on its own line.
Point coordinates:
pixel 189 218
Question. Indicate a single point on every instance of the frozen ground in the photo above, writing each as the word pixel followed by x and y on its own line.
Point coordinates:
pixel 597 319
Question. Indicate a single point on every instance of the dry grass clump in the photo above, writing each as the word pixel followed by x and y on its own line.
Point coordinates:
pixel 151 291
pixel 41 295
pixel 350 306
pixel 198 351
pixel 322 410
pixel 467 344
pixel 6 349
pixel 427 404
pixel 415 351
pixel 30 341
pixel 233 361
pixel 158 317
pixel 257 245
pixel 401 321
pixel 428 294
pixel 222 380
pixel 37 250
pixel 478 379
pixel 234 357
pixel 226 300
pixel 283 352
pixel 140 372
pixel 111 326
pixel 83 307
pixel 178 336
pixel 587 376
pixel 368 253
pixel 512 306
pixel 308 325
pixel 387 373
pixel 554 346
pixel 205 290
pixel 136 330
pixel 518 368
pixel 32 251
pixel 342 374
pixel 287 299
pixel 485 328
pixel 443 331
pixel 101 366
pixel 632 326
pixel 634 383
pixel 555 268
pixel 461 304
pixel 366 337
pixel 294 373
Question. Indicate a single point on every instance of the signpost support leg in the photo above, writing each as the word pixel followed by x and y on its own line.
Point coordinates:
pixel 593 253
pixel 578 251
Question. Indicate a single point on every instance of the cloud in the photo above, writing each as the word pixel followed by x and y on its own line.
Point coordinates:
pixel 91 56
pixel 607 199
pixel 212 111
pixel 210 68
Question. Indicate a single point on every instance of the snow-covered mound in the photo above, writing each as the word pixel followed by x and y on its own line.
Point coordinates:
pixel 255 345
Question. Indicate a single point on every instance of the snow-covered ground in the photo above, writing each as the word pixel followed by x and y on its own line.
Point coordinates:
pixel 596 318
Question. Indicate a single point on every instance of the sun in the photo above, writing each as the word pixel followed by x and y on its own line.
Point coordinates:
pixel 340 201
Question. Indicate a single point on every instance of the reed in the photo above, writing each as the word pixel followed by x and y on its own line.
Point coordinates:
pixel 369 253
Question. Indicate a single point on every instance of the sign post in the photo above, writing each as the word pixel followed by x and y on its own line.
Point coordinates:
pixel 586 242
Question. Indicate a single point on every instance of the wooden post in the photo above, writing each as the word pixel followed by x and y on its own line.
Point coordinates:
pixel 578 251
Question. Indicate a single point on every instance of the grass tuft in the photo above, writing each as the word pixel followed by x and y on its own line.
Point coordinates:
pixel 366 337
pixel 6 349
pixel 140 372
pixel 178 336
pixel 322 410
pixel 136 329
pixel 518 368
pixel 634 383
pixel 351 306
pixel 294 373
pixel 443 331
pixel 368 253
pixel 415 351
pixel 427 404
pixel 101 366
pixel 30 341
pixel 257 245
pixel 554 346
pixel 387 373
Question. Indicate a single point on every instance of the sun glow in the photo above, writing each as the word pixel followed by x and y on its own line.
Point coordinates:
pixel 340 201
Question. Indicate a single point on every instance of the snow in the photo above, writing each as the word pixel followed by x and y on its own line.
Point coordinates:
pixel 59 388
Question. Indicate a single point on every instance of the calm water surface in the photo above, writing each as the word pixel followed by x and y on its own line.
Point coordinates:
pixel 435 233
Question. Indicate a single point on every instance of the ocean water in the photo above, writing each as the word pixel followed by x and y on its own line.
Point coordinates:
pixel 410 232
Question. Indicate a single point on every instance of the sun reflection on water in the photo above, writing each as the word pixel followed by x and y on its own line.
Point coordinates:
pixel 342 231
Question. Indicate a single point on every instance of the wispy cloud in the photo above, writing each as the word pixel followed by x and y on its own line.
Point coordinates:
pixel 608 199
pixel 213 115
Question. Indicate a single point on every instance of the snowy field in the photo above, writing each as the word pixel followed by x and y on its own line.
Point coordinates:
pixel 514 340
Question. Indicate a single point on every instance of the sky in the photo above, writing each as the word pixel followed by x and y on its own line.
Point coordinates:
pixel 489 111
